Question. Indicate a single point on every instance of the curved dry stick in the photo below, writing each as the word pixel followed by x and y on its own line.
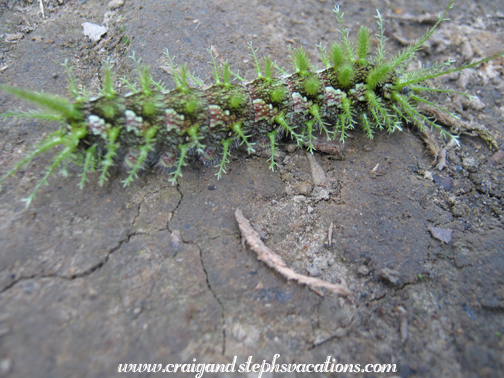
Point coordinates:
pixel 275 262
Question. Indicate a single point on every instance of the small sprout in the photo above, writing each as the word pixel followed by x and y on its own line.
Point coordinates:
pixel 125 40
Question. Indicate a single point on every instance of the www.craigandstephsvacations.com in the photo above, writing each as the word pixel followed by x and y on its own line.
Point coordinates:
pixel 329 366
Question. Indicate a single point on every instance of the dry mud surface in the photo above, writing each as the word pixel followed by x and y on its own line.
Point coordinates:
pixel 153 273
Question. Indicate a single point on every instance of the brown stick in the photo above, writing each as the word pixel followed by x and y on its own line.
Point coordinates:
pixel 275 262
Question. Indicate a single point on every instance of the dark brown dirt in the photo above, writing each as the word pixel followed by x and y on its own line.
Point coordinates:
pixel 157 274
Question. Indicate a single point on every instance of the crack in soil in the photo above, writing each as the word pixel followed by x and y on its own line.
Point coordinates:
pixel 181 197
pixel 209 286
pixel 86 272
pixel 223 318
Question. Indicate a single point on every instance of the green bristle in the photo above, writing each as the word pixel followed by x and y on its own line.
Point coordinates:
pixel 301 61
pixel 309 128
pixel 89 165
pixel 52 141
pixel 145 80
pixel 236 127
pixel 226 74
pixel 180 163
pixel 346 74
pixel 363 44
pixel 278 94
pixel 419 119
pixel 195 137
pixel 377 111
pixel 280 119
pixel 405 57
pixel 215 68
pixel 344 35
pixel 380 50
pixel 366 126
pixel 190 106
pixel 34 114
pixel 55 103
pixel 56 162
pixel 108 160
pixel 182 82
pixel 70 142
pixel 108 82
pixel 315 112
pixel 337 55
pixel 144 76
pixel 312 85
pixel 225 154
pixel 149 108
pixel 422 75
pixel 147 147
pixel 236 101
pixel 346 118
pixel 108 111
pixel 377 75
pixel 323 56
pixel 268 65
pixel 79 95
pixel 257 65
pixel 131 86
pixel 272 135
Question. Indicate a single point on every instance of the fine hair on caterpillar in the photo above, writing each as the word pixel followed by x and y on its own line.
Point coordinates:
pixel 164 129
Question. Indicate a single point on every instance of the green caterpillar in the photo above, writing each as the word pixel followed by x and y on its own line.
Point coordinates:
pixel 155 126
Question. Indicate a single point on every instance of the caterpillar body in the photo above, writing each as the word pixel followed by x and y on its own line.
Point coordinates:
pixel 159 127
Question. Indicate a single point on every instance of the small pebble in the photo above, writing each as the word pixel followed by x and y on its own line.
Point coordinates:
pixel 363 270
pixel 314 271
pixel 443 234
pixel 114 4
pixel 470 164
pixel 445 182
pixel 93 31
pixel 389 275
pixel 5 366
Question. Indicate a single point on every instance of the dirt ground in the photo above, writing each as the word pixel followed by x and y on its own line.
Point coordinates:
pixel 153 273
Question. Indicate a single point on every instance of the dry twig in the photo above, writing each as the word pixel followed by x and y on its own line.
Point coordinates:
pixel 41 5
pixel 275 262
pixel 457 126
